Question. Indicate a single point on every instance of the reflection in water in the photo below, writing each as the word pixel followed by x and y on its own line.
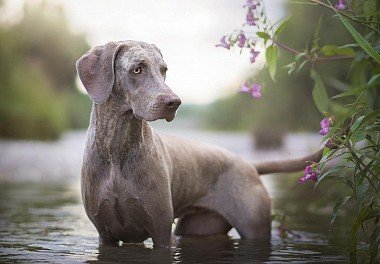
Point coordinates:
pixel 137 253
pixel 47 223
pixel 224 250
pixel 221 249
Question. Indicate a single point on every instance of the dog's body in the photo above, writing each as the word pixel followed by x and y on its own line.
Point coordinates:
pixel 136 181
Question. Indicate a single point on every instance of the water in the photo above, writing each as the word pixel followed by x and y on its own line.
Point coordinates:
pixel 46 223
pixel 43 221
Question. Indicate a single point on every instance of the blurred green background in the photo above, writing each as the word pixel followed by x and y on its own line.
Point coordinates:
pixel 40 100
pixel 287 104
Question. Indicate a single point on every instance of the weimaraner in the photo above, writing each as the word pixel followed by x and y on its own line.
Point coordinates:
pixel 135 181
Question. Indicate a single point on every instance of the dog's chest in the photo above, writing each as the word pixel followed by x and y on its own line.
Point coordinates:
pixel 120 217
pixel 120 203
pixel 115 208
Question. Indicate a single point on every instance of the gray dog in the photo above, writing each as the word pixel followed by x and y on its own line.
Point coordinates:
pixel 135 182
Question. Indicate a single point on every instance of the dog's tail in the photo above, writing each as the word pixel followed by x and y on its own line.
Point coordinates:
pixel 292 165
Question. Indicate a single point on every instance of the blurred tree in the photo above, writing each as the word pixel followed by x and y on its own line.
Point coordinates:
pixel 47 41
pixel 37 76
pixel 287 104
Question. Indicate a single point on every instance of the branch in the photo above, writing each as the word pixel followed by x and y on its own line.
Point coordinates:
pixel 283 46
pixel 364 23
pixel 332 58
pixel 311 59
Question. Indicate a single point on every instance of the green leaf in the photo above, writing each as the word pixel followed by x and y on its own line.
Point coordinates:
pixel 299 56
pixel 282 26
pixel 373 128
pixel 361 191
pixel 320 97
pixel 337 206
pixel 340 122
pixel 373 79
pixel 345 51
pixel 271 56
pixel 330 171
pixel 346 94
pixel 263 35
pixel 317 32
pixel 364 120
pixel 331 50
pixel 302 64
pixel 326 151
pixel 356 124
pixel 363 214
pixel 358 137
pixel 358 90
pixel 360 40
pixel 290 67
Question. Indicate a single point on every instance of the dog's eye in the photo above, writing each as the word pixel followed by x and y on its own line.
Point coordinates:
pixel 137 70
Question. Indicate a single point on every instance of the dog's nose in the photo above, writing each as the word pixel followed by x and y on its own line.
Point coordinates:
pixel 172 102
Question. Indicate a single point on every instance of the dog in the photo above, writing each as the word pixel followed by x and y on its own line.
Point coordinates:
pixel 135 181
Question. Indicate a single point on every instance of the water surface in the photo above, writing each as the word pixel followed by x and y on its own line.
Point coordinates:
pixel 46 223
pixel 42 219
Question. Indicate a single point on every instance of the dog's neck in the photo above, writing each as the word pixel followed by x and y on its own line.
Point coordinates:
pixel 116 132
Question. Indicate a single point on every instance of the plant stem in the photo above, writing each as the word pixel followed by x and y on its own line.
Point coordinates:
pixel 364 23
pixel 311 59
pixel 283 46
pixel 334 58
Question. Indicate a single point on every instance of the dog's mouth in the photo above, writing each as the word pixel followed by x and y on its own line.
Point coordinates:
pixel 168 117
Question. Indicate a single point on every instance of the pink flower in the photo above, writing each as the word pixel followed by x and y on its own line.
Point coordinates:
pixel 325 126
pixel 341 5
pixel 254 55
pixel 251 4
pixel 311 174
pixel 242 40
pixel 250 19
pixel 223 43
pixel 254 90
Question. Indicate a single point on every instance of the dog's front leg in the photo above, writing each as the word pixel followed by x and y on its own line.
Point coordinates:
pixel 162 236
pixel 161 230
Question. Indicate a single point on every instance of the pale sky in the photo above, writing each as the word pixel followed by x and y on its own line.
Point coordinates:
pixel 186 31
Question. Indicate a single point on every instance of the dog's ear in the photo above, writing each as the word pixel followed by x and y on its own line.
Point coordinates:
pixel 96 71
pixel 156 48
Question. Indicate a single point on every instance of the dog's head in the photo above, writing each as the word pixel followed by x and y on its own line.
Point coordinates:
pixel 133 74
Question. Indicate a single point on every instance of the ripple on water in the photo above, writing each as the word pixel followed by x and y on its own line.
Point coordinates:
pixel 47 223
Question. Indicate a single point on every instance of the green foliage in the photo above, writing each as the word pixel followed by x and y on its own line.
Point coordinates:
pixel 283 23
pixel 357 141
pixel 28 106
pixel 37 76
pixel 279 107
pixel 271 57
pixel 354 137
pixel 360 40
pixel 320 97
pixel 331 50
pixel 264 35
